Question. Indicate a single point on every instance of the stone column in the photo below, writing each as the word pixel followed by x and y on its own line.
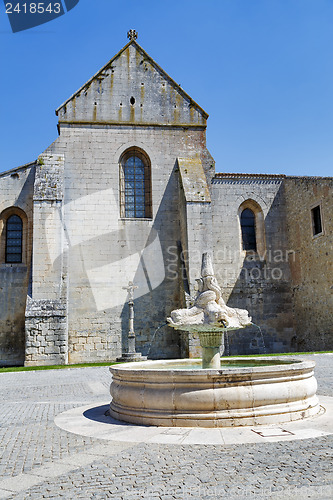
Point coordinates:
pixel 129 353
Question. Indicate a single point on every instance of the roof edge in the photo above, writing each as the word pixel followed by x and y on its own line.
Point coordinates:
pixel 222 175
pixel 15 169
pixel 309 177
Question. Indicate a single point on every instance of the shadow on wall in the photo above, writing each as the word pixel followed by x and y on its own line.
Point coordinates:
pixel 14 278
pixel 158 285
pixel 263 287
pixel 102 262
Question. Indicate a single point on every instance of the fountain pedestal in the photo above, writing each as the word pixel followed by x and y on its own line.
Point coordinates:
pixel 211 343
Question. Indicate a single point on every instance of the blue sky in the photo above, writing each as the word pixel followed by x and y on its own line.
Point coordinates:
pixel 262 69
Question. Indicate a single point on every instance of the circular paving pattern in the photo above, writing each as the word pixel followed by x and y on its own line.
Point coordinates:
pixel 92 421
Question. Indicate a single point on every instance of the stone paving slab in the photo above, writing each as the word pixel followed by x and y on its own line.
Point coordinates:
pixel 40 460
pixel 91 421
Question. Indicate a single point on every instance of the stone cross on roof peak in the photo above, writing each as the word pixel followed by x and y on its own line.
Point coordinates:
pixel 132 34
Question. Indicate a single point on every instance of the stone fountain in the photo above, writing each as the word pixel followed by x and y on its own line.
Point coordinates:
pixel 191 393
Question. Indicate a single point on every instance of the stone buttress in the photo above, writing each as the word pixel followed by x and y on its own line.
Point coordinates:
pixel 46 310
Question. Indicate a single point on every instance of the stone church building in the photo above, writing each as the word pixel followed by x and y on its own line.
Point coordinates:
pixel 128 192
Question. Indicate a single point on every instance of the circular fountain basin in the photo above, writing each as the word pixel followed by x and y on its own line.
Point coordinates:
pixel 244 391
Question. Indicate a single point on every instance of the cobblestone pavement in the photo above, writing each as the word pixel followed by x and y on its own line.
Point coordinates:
pixel 39 460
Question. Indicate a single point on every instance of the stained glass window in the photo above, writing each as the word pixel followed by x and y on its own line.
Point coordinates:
pixel 248 226
pixel 135 196
pixel 14 230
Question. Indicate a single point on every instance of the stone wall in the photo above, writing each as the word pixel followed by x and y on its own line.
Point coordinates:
pixel 16 190
pixel 258 282
pixel 131 102
pixel 312 268
pixel 105 251
pixel 47 336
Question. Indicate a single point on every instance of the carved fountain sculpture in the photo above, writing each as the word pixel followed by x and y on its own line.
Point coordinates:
pixel 209 316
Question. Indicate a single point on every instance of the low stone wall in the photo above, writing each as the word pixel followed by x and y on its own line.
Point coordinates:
pixel 46 333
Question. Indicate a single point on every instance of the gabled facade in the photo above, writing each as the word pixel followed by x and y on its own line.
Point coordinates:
pixel 128 192
pixel 132 89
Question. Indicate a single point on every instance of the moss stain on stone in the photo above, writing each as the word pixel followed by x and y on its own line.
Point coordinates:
pixel 132 113
pixel 111 82
pixel 74 107
pixel 192 115
pixel 178 102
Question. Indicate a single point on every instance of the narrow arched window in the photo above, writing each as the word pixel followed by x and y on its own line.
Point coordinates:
pixel 135 185
pixel 247 220
pixel 14 233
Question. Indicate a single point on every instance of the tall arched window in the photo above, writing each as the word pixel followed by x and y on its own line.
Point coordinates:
pixel 14 236
pixel 248 225
pixel 135 185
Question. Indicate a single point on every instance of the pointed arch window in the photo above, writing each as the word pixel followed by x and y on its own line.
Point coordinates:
pixel 135 185
pixel 248 226
pixel 14 237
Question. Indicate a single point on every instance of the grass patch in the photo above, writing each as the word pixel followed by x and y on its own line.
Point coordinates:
pixel 54 367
